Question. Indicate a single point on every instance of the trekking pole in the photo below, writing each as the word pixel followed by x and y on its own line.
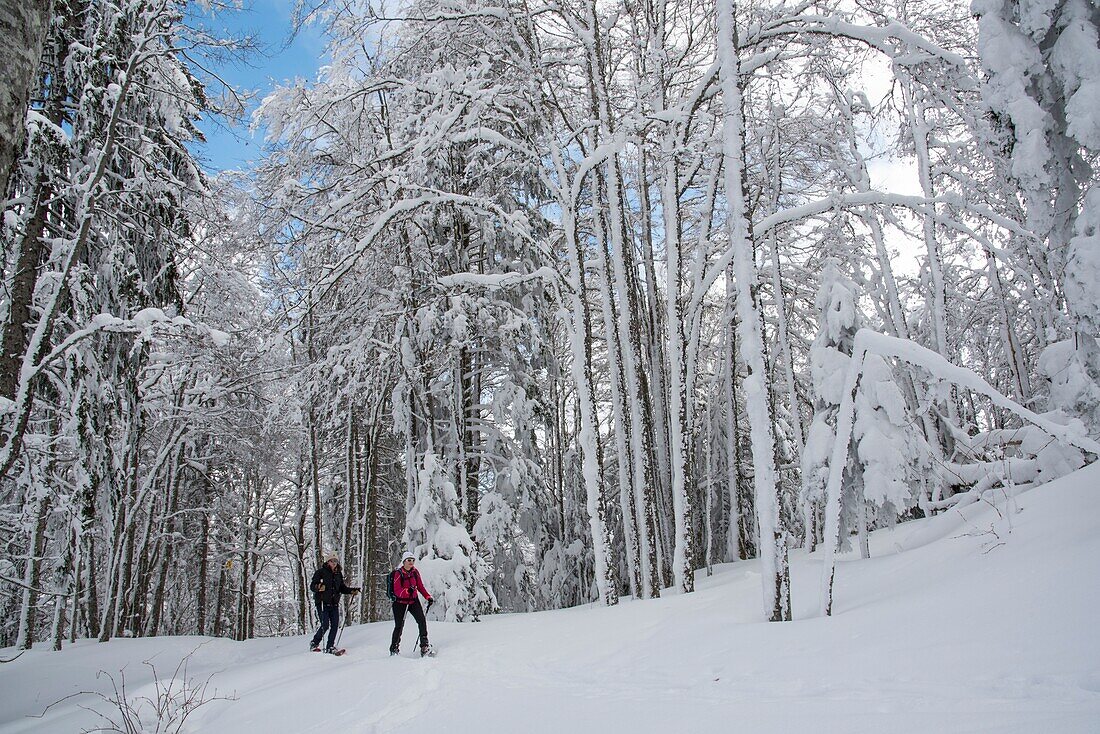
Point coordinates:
pixel 420 637
pixel 340 633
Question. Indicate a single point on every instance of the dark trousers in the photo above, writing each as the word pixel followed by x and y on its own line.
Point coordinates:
pixel 399 609
pixel 330 620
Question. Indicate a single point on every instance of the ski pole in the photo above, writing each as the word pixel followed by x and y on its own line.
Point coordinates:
pixel 340 633
pixel 343 624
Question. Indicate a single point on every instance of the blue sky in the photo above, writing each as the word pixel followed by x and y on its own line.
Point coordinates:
pixel 270 21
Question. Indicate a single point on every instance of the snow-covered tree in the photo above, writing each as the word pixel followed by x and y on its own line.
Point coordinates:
pixel 1042 65
pixel 24 26
pixel 830 356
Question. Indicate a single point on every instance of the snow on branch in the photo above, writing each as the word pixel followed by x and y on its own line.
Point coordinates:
pixel 881 198
pixel 833 202
pixel 496 281
pixel 393 212
pixel 141 324
pixel 855 199
pixel 593 159
pixel 488 135
pixel 20 584
pixel 455 11
pixel 938 366
pixel 868 341
pixel 894 39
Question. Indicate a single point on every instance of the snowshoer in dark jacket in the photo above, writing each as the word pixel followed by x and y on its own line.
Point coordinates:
pixel 328 584
pixel 405 583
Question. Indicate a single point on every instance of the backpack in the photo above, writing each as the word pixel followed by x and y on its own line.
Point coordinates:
pixel 389 586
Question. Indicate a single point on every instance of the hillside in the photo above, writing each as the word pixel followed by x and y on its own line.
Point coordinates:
pixel 979 620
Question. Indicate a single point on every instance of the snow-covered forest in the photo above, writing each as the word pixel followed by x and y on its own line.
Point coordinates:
pixel 571 298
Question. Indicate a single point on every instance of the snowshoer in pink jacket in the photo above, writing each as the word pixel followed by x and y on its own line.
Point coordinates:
pixel 405 583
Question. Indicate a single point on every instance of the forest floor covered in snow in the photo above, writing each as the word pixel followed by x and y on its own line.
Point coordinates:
pixel 982 619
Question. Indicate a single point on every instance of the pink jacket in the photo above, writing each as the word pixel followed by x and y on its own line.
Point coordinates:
pixel 405 586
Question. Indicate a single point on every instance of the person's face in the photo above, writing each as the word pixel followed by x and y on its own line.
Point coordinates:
pixel 332 563
pixel 408 564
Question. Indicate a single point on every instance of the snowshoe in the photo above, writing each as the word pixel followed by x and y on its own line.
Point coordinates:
pixel 337 651
pixel 314 648
pixel 427 651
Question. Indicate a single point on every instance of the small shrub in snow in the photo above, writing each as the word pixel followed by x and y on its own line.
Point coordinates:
pixel 163 710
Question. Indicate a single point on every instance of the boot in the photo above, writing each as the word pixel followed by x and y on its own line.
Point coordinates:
pixel 394 650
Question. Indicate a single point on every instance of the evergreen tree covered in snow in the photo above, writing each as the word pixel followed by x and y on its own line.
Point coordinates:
pixel 830 357
pixel 888 444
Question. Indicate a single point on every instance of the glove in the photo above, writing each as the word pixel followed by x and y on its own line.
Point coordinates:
pixel 320 588
pixel 354 591
pixel 430 602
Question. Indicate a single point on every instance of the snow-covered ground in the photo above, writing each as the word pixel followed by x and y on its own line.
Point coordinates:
pixel 978 620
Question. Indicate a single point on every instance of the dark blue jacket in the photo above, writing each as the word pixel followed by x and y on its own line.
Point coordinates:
pixel 333 582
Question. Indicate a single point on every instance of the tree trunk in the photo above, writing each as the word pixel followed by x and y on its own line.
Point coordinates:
pixel 773 547
pixel 581 368
pixel 24 25
pixel 315 488
pixel 23 283
pixel 372 525
pixel 91 593
pixel 67 580
pixel 620 426
pixel 76 586
pixel 202 580
pixel 349 550
pixel 678 427
pixel 301 568
pixel 219 598
pixel 35 547
pixel 1014 354
pixel 735 549
pixel 168 543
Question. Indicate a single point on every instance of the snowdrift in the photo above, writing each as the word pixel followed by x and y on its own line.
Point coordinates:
pixel 982 619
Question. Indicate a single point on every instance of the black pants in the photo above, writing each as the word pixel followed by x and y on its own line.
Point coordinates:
pixel 399 609
pixel 330 620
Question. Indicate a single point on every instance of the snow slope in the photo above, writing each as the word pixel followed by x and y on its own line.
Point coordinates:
pixel 979 620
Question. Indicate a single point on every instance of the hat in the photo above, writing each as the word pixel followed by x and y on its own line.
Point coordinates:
pixel 331 557
pixel 408 554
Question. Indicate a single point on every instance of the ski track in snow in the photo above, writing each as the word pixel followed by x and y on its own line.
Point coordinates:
pixel 979 620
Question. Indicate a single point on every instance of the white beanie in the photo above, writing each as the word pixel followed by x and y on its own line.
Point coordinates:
pixel 408 554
